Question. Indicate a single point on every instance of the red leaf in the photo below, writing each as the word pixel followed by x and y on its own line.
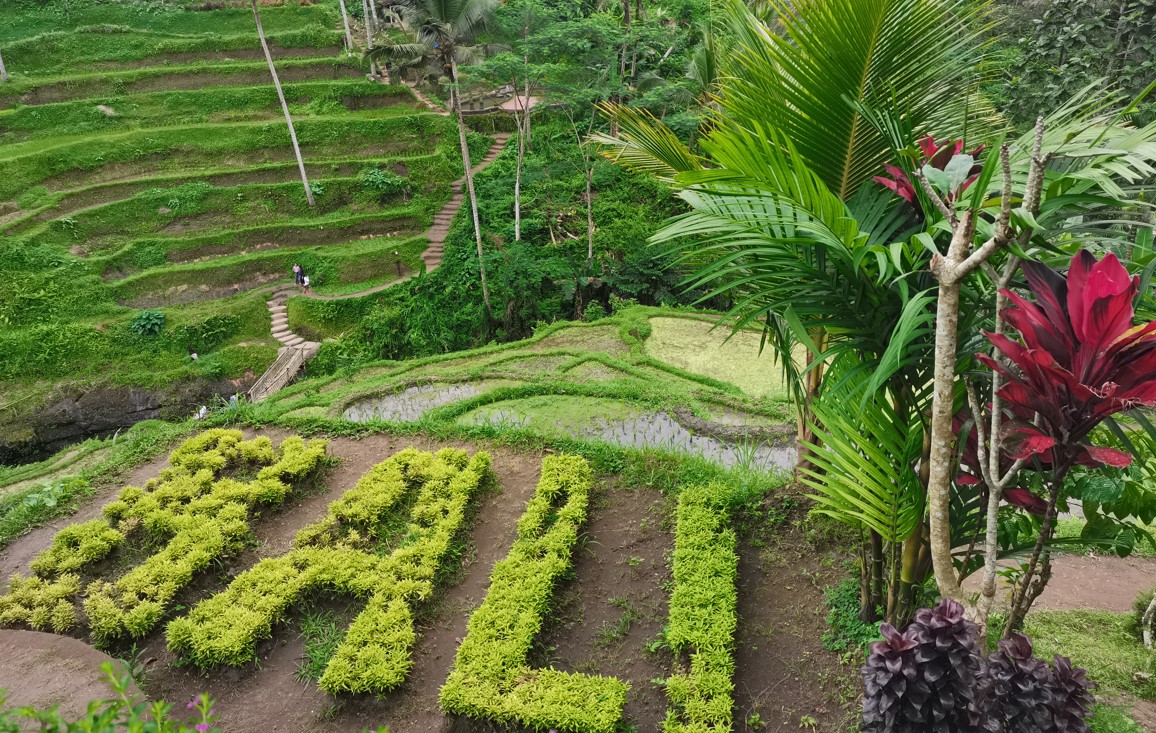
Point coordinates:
pixel 1103 455
pixel 1026 500
pixel 1025 441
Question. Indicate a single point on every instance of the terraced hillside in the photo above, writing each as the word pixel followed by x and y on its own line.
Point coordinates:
pixel 642 378
pixel 145 169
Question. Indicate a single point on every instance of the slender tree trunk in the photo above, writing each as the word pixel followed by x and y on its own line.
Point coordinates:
pixel 456 103
pixel 521 124
pixel 3 71
pixel 1031 586
pixel 589 214
pixel 1148 621
pixel 284 105
pixel 368 35
pixel 876 596
pixel 348 33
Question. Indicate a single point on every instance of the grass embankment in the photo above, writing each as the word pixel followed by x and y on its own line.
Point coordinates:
pixel 117 113
pixel 77 84
pixel 568 375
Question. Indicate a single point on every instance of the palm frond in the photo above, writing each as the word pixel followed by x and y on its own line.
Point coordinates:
pixel 645 144
pixel 864 460
pixel 835 54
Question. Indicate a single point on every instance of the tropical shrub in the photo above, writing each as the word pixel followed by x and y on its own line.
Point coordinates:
pixel 703 614
pixel 148 323
pixel 931 676
pixel 337 553
pixel 491 679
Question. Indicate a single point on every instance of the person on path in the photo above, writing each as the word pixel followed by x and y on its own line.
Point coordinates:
pixel 202 413
pixel 305 284
pixel 235 400
pixel 298 273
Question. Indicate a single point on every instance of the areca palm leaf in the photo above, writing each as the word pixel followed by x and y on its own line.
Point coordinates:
pixel 645 144
pixel 864 459
pixel 454 21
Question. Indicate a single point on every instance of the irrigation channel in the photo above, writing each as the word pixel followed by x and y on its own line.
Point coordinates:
pixel 644 430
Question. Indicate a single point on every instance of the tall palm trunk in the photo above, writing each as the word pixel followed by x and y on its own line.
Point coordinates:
pixel 345 21
pixel 3 71
pixel 521 123
pixel 368 35
pixel 456 103
pixel 284 106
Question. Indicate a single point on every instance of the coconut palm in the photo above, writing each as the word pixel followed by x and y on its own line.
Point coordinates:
pixel 443 33
pixel 345 22
pixel 785 221
pixel 284 105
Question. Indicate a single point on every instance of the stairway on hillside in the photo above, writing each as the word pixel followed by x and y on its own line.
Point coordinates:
pixel 296 350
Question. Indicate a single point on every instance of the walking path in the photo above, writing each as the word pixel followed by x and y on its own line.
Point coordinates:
pixel 296 349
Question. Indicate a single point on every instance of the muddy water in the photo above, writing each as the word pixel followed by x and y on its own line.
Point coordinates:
pixel 410 404
pixel 660 430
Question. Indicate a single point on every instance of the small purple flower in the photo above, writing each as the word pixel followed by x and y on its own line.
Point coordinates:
pixel 191 704
pixel 213 713
pixel 201 727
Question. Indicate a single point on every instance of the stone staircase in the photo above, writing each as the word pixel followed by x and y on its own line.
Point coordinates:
pixel 296 350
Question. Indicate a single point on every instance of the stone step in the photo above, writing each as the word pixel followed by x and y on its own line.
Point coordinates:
pixel 294 341
pixel 282 333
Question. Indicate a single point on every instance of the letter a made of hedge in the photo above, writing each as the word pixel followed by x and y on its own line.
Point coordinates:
pixel 337 554
pixel 202 514
pixel 490 678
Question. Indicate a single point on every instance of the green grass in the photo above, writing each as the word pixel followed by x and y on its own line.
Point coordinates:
pixel 86 84
pixel 684 343
pixel 1104 643
pixel 322 635
pixel 229 104
pixel 1071 527
pixel 552 414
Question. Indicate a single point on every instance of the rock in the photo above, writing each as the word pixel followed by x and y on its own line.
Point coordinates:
pixel 106 110
pixel 164 210
pixel 43 670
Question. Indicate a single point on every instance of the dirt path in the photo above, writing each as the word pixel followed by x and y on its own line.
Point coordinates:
pixel 43 670
pixel 1096 582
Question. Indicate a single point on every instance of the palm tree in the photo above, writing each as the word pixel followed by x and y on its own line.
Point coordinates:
pixel 784 221
pixel 345 21
pixel 444 31
pixel 284 105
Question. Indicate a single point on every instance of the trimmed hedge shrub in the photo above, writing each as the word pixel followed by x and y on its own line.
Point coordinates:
pixel 490 678
pixel 336 554
pixel 202 516
pixel 703 614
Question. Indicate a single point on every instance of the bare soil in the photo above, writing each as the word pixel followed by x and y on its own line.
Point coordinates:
pixel 606 616
pixel 785 680
pixel 43 670
pixel 1097 582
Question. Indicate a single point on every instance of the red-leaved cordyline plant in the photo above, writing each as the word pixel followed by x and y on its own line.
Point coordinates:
pixel 936 155
pixel 1081 361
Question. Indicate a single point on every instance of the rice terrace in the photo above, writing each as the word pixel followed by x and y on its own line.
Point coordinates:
pixel 526 365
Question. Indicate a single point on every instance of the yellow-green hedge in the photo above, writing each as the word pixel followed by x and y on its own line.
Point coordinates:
pixel 334 554
pixel 201 516
pixel 490 678
pixel 703 614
